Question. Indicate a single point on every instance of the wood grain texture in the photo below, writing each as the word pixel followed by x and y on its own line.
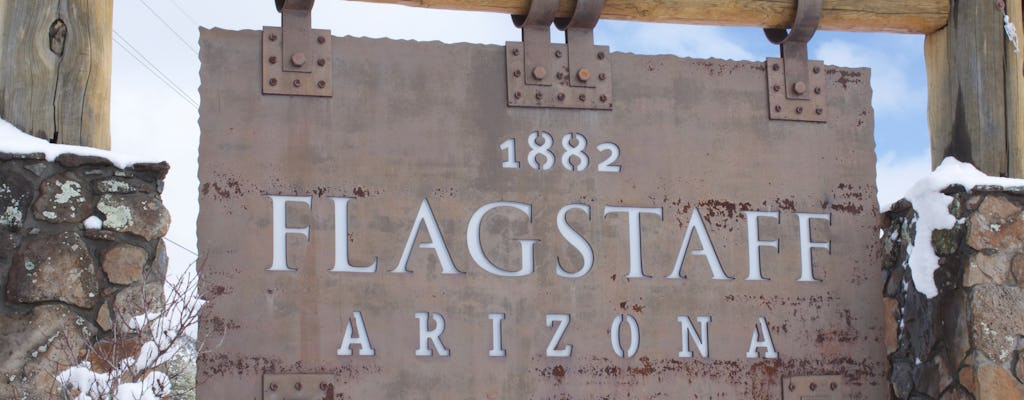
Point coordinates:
pixel 1015 93
pixel 906 16
pixel 55 65
pixel 967 102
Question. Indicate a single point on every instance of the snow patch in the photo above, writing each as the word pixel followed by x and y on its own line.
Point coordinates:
pixel 14 141
pixel 932 208
pixel 93 223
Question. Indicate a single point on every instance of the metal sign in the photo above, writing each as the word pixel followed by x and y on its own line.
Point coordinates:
pixel 415 237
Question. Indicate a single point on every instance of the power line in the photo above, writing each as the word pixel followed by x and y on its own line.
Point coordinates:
pixel 182 10
pixel 138 56
pixel 175 32
pixel 180 246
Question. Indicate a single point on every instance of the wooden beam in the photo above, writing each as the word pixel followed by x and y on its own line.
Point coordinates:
pixel 1015 92
pixel 904 16
pixel 974 91
pixel 55 69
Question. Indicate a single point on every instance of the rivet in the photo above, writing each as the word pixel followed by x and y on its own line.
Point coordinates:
pixel 321 39
pixel 799 88
pixel 517 95
pixel 602 76
pixel 600 55
pixel 818 111
pixel 558 54
pixel 539 72
pixel 792 387
pixel 272 37
pixel 299 59
pixel 817 69
pixel 321 62
pixel 515 52
pixel 561 96
pixel 560 75
pixel 517 73
pixel 775 67
pixel 604 98
pixel 799 110
pixel 583 74
pixel 273 82
pixel 778 108
pixel 298 385
pixel 539 95
pixel 296 83
pixel 273 386
pixel 833 386
pixel 583 97
pixel 776 88
pixel 273 59
pixel 321 84
pixel 814 386
pixel 817 90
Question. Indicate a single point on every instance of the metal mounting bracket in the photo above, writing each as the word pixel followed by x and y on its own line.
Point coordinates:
pixel 822 387
pixel 796 86
pixel 582 71
pixel 298 387
pixel 296 57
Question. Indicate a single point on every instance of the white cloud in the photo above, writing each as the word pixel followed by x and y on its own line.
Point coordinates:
pixel 681 40
pixel 892 88
pixel 897 174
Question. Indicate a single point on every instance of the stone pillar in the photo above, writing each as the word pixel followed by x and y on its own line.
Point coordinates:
pixel 968 341
pixel 80 250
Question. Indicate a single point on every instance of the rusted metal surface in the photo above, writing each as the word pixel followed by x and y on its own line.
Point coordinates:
pixel 298 387
pixel 417 123
pixel 296 59
pixel 801 97
pixel 827 387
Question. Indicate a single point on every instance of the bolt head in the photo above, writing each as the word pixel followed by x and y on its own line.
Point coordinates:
pixel 817 90
pixel 819 111
pixel 558 54
pixel 517 95
pixel 324 386
pixel 778 108
pixel 600 55
pixel 561 96
pixel 799 110
pixel 321 39
pixel 792 387
pixel 299 59
pixel 517 73
pixel 776 88
pixel 321 84
pixel 273 82
pixel 321 62
pixel 272 37
pixel 583 74
pixel 559 75
pixel 297 83
pixel 799 88
pixel 833 386
pixel 604 98
pixel 298 385
pixel 273 59
pixel 538 95
pixel 814 386
pixel 273 386
pixel 583 97
pixel 515 52
pixel 817 70
pixel 602 76
pixel 539 72
pixel 775 67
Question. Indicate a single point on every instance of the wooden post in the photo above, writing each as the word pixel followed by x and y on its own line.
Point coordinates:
pixel 903 16
pixel 974 90
pixel 55 58
pixel 1015 92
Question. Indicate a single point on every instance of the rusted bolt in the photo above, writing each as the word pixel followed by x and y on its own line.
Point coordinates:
pixel 776 88
pixel 538 95
pixel 539 72
pixel 775 67
pixel 583 74
pixel 299 59
pixel 296 83
pixel 272 37
pixel 799 110
pixel 604 98
pixel 833 386
pixel 558 54
pixel 792 387
pixel 778 108
pixel 516 73
pixel 561 96
pixel 583 97
pixel 799 88
pixel 517 95
pixel 298 385
pixel 515 52
pixel 273 82
pixel 321 39
pixel 559 75
pixel 324 386
pixel 814 386
pixel 321 84
pixel 818 111
pixel 817 90
pixel 600 55
pixel 816 69
pixel 602 76
pixel 273 386
pixel 273 59
pixel 321 62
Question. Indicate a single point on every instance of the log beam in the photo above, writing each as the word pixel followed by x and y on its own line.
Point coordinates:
pixel 55 65
pixel 904 16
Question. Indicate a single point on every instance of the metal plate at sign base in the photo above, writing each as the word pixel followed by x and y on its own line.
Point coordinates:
pixel 414 237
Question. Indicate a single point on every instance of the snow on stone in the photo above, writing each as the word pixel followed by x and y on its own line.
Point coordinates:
pixel 93 223
pixel 14 141
pixel 932 208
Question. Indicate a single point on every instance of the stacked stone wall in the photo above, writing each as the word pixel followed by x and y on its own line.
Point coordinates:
pixel 968 341
pixel 67 288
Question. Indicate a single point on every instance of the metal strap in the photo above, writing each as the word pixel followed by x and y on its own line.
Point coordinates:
pixel 579 37
pixel 794 47
pixel 297 34
pixel 536 25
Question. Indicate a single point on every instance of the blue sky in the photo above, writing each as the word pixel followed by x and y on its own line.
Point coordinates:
pixel 155 116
